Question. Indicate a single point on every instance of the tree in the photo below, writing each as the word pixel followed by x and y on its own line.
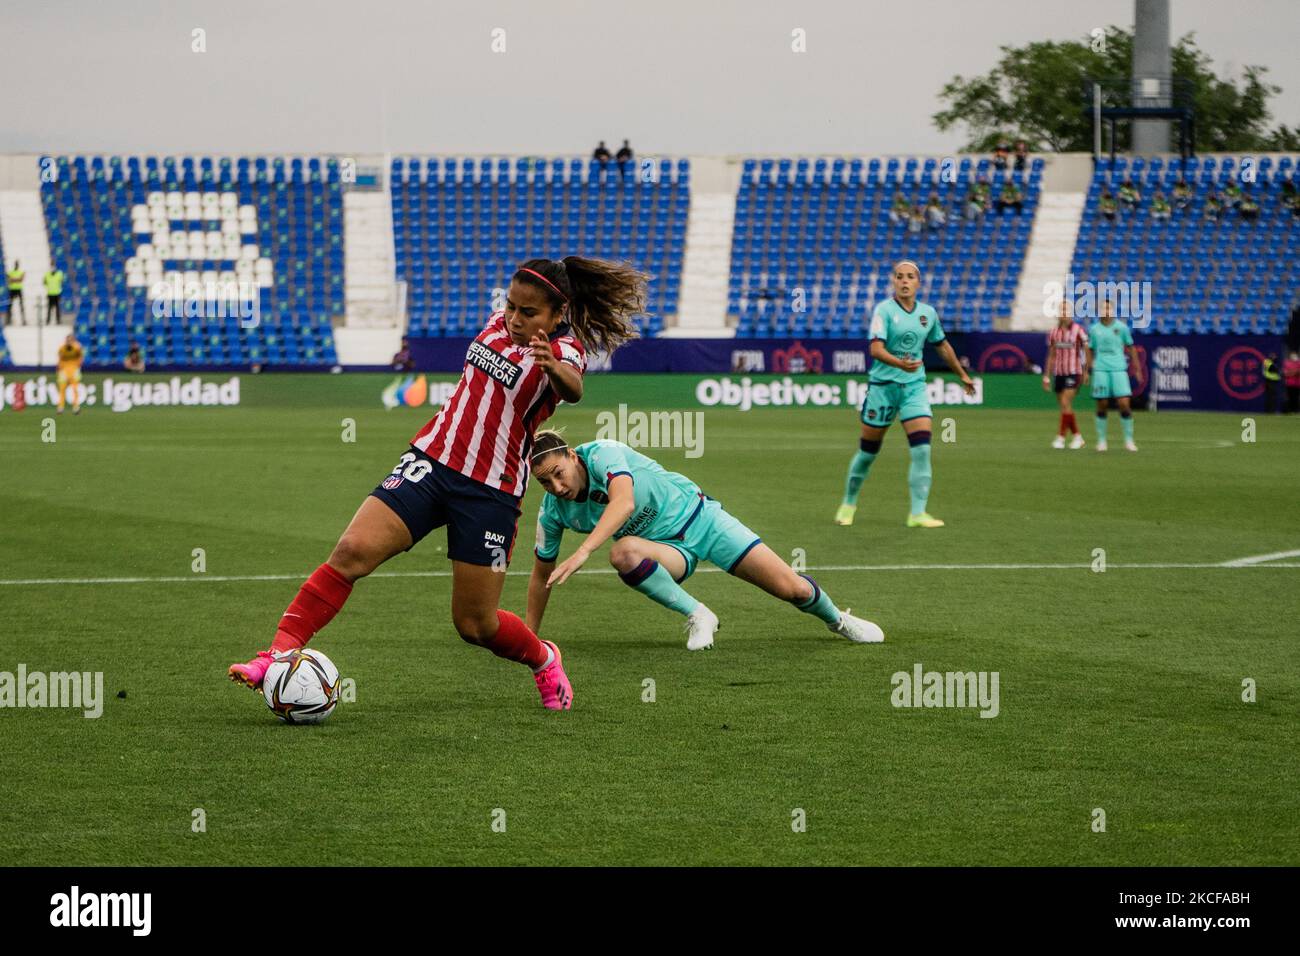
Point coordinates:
pixel 1036 93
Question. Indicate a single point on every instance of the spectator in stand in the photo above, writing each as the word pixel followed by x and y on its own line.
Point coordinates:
pixel 1000 156
pixel 134 361
pixel 978 198
pixel 934 212
pixel 402 360
pixel 1231 195
pixel 1248 208
pixel 53 292
pixel 1271 379
pixel 15 278
pixel 1290 196
pixel 1182 195
pixel 900 209
pixel 1106 206
pixel 1291 372
pixel 1213 207
pixel 624 157
pixel 1022 155
pixel 1160 208
pixel 1129 195
pixel 601 154
pixel 916 220
pixel 1010 198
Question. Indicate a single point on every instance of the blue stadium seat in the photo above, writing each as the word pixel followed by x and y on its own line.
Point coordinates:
pixel 92 214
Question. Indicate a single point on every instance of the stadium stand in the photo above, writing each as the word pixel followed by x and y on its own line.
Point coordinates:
pixel 462 226
pixel 1226 276
pixel 118 228
pixel 823 227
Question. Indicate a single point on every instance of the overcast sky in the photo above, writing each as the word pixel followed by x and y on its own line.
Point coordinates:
pixel 676 76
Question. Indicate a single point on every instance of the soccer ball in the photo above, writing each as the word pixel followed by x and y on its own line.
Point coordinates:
pixel 301 687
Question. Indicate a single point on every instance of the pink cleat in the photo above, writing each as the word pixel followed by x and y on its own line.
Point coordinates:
pixel 251 674
pixel 557 692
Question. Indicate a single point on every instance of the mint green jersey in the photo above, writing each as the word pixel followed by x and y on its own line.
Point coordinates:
pixel 1107 343
pixel 904 334
pixel 665 501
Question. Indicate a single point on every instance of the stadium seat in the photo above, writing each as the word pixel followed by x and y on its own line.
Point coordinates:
pixel 105 226
pixel 834 241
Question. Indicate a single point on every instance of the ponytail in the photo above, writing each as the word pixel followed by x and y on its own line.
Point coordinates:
pixel 602 296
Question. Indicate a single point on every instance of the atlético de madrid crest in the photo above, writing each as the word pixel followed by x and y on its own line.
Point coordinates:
pixel 924 320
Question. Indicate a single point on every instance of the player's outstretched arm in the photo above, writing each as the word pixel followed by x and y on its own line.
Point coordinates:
pixel 538 594
pixel 622 502
pixel 946 352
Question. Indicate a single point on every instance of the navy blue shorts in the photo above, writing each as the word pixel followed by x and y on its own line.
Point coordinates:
pixel 426 494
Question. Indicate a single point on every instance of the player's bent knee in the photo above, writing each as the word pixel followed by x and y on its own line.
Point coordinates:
pixel 353 557
pixel 795 589
pixel 624 556
pixel 350 558
pixel 474 629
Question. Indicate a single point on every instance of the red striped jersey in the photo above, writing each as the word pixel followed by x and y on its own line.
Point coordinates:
pixel 1065 350
pixel 487 426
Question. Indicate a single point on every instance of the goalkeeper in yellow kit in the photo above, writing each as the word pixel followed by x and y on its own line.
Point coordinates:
pixel 71 355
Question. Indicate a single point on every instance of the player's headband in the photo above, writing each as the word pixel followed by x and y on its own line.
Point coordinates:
pixel 548 282
pixel 909 262
pixel 542 454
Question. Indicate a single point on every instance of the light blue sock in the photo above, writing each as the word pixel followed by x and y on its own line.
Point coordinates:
pixel 1126 423
pixel 918 477
pixel 819 605
pixel 1101 428
pixel 653 580
pixel 858 469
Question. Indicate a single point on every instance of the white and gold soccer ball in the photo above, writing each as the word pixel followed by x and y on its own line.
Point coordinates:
pixel 301 687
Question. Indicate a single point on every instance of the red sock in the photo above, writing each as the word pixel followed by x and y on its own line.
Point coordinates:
pixel 515 642
pixel 319 599
pixel 1065 424
pixel 1070 422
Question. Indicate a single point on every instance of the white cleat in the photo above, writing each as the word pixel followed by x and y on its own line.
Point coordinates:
pixel 1058 441
pixel 1130 446
pixel 857 630
pixel 1077 442
pixel 700 628
pixel 1101 446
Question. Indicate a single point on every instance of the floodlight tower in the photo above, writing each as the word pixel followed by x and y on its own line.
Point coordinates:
pixel 1152 87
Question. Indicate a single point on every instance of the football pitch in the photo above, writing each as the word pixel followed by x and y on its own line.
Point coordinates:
pixel 1138 611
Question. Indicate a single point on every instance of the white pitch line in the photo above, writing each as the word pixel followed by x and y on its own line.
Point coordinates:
pixel 1260 559
pixel 301 576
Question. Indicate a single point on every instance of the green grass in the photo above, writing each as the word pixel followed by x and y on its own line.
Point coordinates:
pixel 1119 690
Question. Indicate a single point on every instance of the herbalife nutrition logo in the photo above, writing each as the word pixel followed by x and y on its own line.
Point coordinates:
pixel 76 689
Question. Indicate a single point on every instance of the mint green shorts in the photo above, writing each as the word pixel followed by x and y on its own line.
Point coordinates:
pixel 713 535
pixel 887 401
pixel 1110 385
